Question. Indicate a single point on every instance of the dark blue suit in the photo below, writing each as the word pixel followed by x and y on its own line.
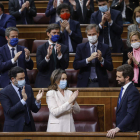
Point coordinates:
pixel 116 29
pixel 76 36
pixel 6 64
pixel 6 21
pixel 83 52
pixel 14 110
pixel 127 113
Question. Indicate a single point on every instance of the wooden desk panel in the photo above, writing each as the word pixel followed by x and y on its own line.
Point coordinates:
pixel 66 136
pixel 117 59
pixel 39 31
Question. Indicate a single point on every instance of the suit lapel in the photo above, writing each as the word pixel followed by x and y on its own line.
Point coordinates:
pixel 87 50
pixel 7 52
pixel 99 16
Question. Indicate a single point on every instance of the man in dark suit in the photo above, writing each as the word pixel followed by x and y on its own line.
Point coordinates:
pixel 50 56
pixel 71 34
pixel 5 21
pixel 17 100
pixel 111 26
pixel 126 7
pixel 12 55
pixel 22 10
pixel 93 58
pixel 127 113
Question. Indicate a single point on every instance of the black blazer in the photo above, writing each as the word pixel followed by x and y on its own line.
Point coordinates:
pixel 14 7
pixel 85 17
pixel 83 52
pixel 129 11
pixel 46 68
pixel 127 113
pixel 125 58
pixel 14 110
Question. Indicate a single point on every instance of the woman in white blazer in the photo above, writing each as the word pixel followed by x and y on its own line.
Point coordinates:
pixel 61 103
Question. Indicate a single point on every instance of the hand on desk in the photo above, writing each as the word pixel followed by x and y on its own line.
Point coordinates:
pixel 111 133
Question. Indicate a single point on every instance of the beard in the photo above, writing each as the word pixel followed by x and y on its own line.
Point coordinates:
pixel 121 83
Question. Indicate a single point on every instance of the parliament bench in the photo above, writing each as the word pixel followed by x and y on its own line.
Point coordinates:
pixel 85 121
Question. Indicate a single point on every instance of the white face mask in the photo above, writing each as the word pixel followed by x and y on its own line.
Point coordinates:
pixel 92 39
pixel 135 45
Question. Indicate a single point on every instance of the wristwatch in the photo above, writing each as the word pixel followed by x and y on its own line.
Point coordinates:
pixel 138 65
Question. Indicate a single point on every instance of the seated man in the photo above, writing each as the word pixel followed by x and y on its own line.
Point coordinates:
pixel 127 112
pixel 93 58
pixel 50 56
pixel 22 10
pixel 12 55
pixel 71 34
pixel 17 100
pixel 111 26
pixel 5 21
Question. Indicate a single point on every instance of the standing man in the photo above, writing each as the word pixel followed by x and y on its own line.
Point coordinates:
pixel 18 101
pixel 22 10
pixel 127 113
pixel 50 56
pixel 5 22
pixel 93 58
pixel 111 25
pixel 71 34
pixel 11 55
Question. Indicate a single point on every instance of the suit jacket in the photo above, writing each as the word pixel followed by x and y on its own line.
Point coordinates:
pixel 5 22
pixel 83 52
pixel 85 17
pixel 129 10
pixel 6 64
pixel 14 7
pixel 60 111
pixel 127 113
pixel 14 110
pixel 116 29
pixel 46 68
pixel 125 58
pixel 75 37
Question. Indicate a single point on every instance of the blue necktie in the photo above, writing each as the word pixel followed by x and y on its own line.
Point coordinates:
pixel 27 116
pixel 120 96
pixel 13 54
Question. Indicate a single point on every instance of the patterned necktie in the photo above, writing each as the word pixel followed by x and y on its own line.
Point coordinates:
pixel 54 55
pixel 13 54
pixel 27 116
pixel 105 31
pixel 120 96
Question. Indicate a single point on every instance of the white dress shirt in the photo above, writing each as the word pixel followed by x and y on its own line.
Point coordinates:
pixel 81 4
pixel 125 87
pixel 123 12
pixel 59 57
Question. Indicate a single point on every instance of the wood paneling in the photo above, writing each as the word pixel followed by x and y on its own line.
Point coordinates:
pixel 66 136
pixel 117 59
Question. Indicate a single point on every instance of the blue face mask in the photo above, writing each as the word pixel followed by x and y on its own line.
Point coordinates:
pixel 103 8
pixel 55 38
pixel 138 20
pixel 13 41
pixel 20 83
pixel 63 84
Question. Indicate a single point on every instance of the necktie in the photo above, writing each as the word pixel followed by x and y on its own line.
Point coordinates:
pixel 105 31
pixel 13 54
pixel 54 55
pixel 27 116
pixel 120 96
pixel 23 14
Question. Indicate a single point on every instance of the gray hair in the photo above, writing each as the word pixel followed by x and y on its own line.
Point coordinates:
pixel 9 29
pixel 91 26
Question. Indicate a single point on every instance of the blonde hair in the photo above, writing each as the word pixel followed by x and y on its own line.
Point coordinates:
pixel 55 77
pixel 137 9
pixel 134 33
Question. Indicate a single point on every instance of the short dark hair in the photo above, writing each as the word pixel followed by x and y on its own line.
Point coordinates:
pixel 14 71
pixel 101 0
pixel 2 6
pixel 127 70
pixel 52 27
pixel 62 6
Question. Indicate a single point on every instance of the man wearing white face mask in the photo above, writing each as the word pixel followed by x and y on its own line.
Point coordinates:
pixel 93 58
pixel 111 25
pixel 132 56
pixel 18 101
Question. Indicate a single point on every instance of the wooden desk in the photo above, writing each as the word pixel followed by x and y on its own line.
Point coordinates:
pixel 66 136
pixel 117 59
pixel 39 31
